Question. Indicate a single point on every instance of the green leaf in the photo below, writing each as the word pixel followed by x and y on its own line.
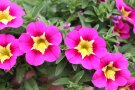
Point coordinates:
pixel 96 26
pixel 71 18
pixel 110 31
pixel 2 72
pixel 125 47
pixel 38 9
pixel 116 48
pixel 60 67
pixel 31 85
pixel 84 3
pixel 20 73
pixel 61 81
pixel 81 19
pixel 89 20
pixel 2 86
pixel 61 57
pixel 78 76
pixel 74 67
pixel 88 12
pixel 132 68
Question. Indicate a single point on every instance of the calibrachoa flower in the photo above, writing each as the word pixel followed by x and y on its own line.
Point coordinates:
pixel 9 50
pixel 122 29
pixel 112 72
pixel 78 27
pixel 10 14
pixel 116 18
pixel 85 47
pixel 127 12
pixel 66 25
pixel 102 0
pixel 40 43
pixel 129 86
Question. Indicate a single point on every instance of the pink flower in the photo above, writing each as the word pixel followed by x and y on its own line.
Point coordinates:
pixel 85 47
pixel 116 18
pixel 112 72
pixel 102 0
pixel 129 86
pixel 66 25
pixel 40 43
pixel 9 51
pixel 126 11
pixel 10 14
pixel 78 27
pixel 122 29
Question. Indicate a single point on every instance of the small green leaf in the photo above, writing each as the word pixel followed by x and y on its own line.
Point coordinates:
pixel 78 76
pixel 81 19
pixel 20 73
pixel 31 85
pixel 61 57
pixel 116 48
pixel 74 67
pixel 88 12
pixel 61 81
pixel 96 26
pixel 84 3
pixel 37 9
pixel 60 67
pixel 125 47
pixel 2 86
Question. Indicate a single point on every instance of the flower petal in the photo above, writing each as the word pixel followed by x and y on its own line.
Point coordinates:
pixel 17 22
pixel 99 47
pixel 16 10
pixel 120 61
pixel 121 81
pixel 105 60
pixel 100 42
pixel 99 79
pixel 53 35
pixel 73 56
pixel 88 33
pixel 72 39
pixel 34 58
pixel 35 28
pixel 52 53
pixel 111 85
pixel 125 36
pixel 125 28
pixel 122 77
pixel 15 48
pixel 25 42
pixel 2 26
pixel 120 4
pixel 90 62
pixel 6 39
pixel 8 64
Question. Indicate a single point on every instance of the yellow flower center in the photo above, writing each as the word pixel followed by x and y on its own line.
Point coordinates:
pixel 109 71
pixel 40 43
pixel 5 53
pixel 124 88
pixel 117 31
pixel 85 47
pixel 5 16
pixel 124 12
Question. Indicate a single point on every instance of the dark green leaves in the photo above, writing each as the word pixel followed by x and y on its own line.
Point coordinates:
pixel 31 85
pixel 61 81
pixel 78 76
pixel 60 67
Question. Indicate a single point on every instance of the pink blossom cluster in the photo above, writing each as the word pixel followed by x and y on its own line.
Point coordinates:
pixel 127 13
pixel 41 43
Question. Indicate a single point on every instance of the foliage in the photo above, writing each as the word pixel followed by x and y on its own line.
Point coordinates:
pixel 88 13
